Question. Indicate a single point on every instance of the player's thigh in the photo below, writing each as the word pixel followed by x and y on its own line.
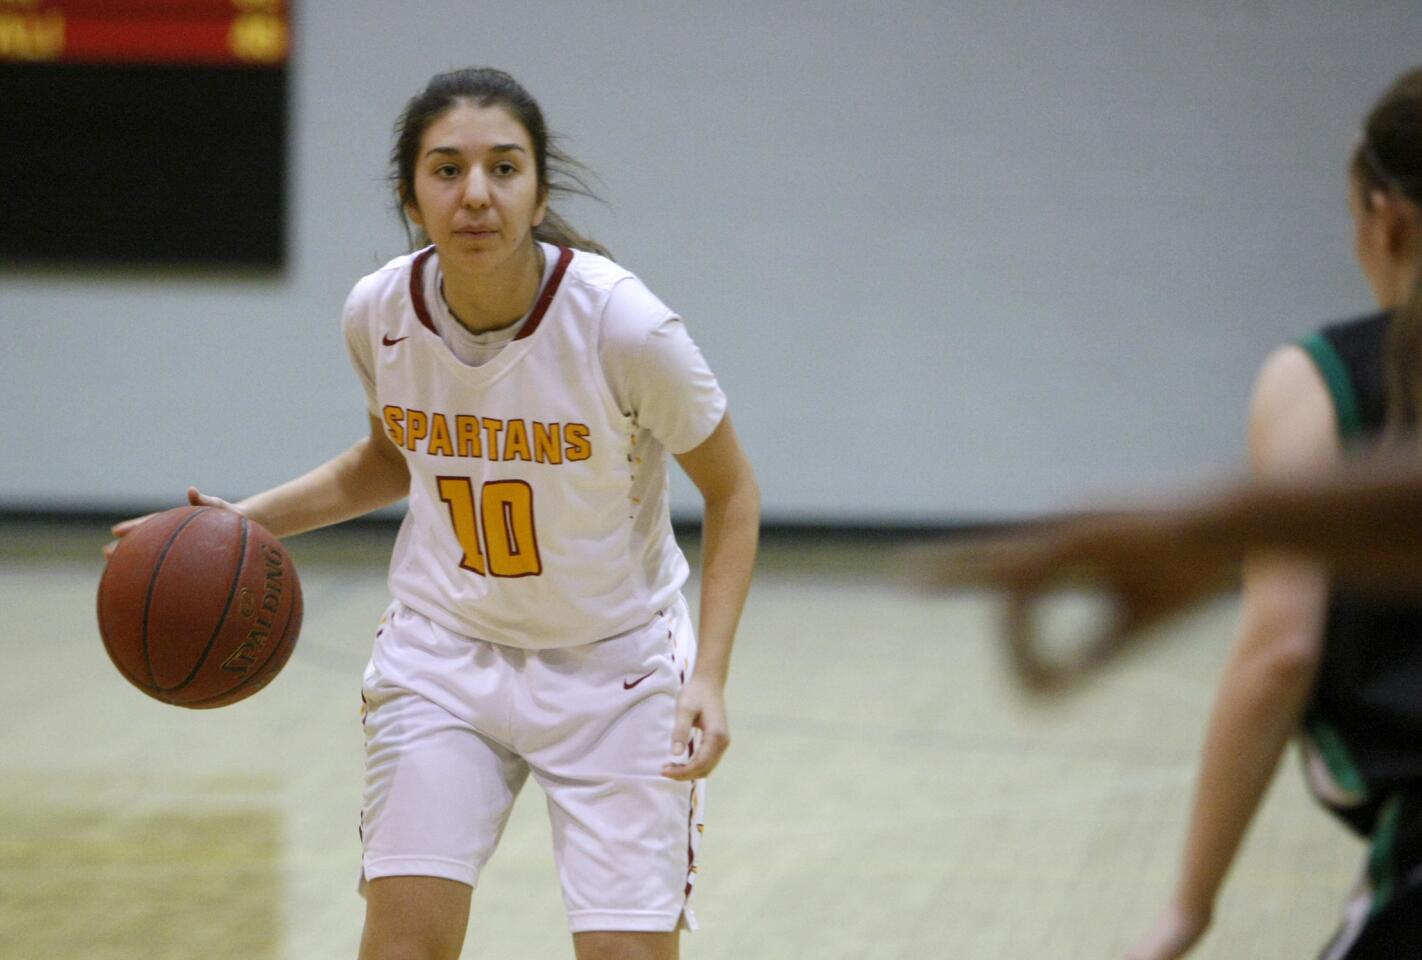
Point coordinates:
pixel 414 918
pixel 625 837
pixel 438 792
pixel 621 945
pixel 625 847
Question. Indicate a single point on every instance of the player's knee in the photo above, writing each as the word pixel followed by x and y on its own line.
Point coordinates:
pixel 414 918
pixel 609 945
pixel 409 946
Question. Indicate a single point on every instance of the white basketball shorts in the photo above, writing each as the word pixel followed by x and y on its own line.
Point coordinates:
pixel 454 726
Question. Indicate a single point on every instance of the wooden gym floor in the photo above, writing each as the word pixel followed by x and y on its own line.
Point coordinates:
pixel 889 793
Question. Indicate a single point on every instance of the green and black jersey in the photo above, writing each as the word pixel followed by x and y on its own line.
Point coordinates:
pixel 1364 723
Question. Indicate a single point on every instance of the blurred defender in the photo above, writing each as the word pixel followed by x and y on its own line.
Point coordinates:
pixel 1341 668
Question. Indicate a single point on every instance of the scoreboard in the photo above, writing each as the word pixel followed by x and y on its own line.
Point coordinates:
pixel 144 31
pixel 143 132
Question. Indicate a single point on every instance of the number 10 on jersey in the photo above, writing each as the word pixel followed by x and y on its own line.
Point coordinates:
pixel 496 528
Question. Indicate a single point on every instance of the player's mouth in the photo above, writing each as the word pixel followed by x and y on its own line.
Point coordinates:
pixel 476 233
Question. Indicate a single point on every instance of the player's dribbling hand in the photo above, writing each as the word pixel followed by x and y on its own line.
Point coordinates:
pixel 702 707
pixel 1173 934
pixel 195 498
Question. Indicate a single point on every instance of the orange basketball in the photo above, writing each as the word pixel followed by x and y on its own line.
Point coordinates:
pixel 199 607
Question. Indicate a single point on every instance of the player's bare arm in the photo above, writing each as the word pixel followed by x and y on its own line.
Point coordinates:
pixel 1375 538
pixel 1272 664
pixel 730 533
pixel 369 475
pixel 1157 563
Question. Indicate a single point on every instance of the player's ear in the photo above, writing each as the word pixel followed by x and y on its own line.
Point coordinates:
pixel 1394 215
pixel 541 211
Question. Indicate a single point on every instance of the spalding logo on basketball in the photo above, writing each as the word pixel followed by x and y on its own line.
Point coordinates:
pixel 199 607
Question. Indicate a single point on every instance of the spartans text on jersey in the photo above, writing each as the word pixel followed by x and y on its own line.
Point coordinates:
pixel 487 438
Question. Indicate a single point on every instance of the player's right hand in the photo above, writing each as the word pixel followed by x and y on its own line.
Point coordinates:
pixel 195 498
pixel 1173 934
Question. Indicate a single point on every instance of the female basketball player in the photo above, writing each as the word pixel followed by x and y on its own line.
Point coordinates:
pixel 1342 670
pixel 524 392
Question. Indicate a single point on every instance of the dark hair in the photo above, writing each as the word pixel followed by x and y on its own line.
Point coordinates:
pixel 558 173
pixel 1389 158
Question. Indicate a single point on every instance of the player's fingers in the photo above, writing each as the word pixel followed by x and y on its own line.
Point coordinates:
pixel 986 563
pixel 1171 936
pixel 126 526
pixel 1154 950
pixel 120 529
pixel 1055 639
pixel 709 750
pixel 687 713
pixel 681 730
pixel 200 499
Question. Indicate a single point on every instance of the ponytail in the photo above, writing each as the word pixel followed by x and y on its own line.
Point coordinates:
pixel 555 228
pixel 1402 362
pixel 1389 159
pixel 558 231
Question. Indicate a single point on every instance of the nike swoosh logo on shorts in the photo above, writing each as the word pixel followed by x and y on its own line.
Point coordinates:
pixel 629 684
pixel 390 343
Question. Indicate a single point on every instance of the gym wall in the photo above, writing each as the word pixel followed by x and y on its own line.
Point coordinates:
pixel 952 262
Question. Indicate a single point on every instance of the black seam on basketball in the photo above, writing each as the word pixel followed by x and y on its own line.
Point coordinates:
pixel 286 637
pixel 226 697
pixel 293 614
pixel 104 625
pixel 222 619
pixel 123 670
pixel 281 641
pixel 153 585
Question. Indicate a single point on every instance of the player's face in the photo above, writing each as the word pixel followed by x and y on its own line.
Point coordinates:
pixel 477 193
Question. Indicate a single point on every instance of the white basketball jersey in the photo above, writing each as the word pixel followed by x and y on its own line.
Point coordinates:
pixel 538 509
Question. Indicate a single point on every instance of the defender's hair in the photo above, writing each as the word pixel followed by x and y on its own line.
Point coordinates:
pixel 558 173
pixel 1389 158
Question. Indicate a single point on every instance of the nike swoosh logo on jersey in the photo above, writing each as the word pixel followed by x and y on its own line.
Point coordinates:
pixel 390 343
pixel 629 684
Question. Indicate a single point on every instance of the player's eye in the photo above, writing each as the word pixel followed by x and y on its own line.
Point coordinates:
pixel 446 171
pixel 505 169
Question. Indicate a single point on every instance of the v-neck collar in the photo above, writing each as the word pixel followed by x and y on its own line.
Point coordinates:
pixel 540 307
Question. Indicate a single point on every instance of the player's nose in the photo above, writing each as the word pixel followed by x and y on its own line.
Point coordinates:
pixel 476 189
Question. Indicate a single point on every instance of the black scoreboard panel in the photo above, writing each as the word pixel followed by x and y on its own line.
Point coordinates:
pixel 143 132
pixel 157 164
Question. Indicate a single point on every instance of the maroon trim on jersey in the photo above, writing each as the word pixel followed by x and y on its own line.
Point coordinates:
pixel 422 310
pixel 565 257
pixel 690 848
pixel 417 288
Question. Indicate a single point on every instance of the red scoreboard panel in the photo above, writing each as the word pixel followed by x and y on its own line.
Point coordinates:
pixel 143 131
